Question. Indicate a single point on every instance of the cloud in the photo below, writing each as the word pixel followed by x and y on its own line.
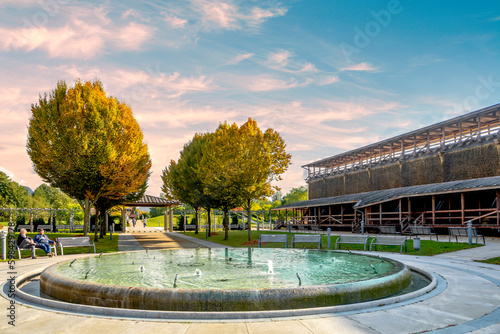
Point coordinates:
pixel 328 80
pixel 219 14
pixel 239 58
pixel 360 67
pixel 87 34
pixel 268 83
pixel 175 22
pixel 258 15
pixel 282 60
pixel 279 58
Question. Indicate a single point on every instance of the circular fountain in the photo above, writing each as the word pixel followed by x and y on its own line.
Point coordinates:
pixel 225 279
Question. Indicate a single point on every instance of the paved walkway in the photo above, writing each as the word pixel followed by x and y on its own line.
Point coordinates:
pixel 467 300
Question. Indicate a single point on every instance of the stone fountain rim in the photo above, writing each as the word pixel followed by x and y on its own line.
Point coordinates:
pixel 60 306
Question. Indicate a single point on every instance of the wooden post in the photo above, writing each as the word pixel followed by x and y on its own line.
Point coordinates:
pixel 433 209
pixel 400 210
pixel 171 220
pixel 462 202
pixel 165 226
pixel 498 207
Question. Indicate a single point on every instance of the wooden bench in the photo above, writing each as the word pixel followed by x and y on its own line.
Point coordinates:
pixel 273 238
pixel 44 227
pixel 75 242
pixel 422 230
pixel 190 227
pixel 463 232
pixel 389 229
pixel 389 241
pixel 27 227
pixel 63 227
pixel 351 239
pixel 305 238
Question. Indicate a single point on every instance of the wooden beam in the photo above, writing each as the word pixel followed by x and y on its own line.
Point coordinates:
pixel 498 207
pixel 462 202
pixel 433 209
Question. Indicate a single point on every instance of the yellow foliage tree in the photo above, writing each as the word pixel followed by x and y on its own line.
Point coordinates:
pixel 87 144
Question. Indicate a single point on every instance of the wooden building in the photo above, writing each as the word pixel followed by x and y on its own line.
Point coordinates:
pixel 442 175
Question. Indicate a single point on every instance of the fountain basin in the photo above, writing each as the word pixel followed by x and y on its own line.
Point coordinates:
pixel 226 280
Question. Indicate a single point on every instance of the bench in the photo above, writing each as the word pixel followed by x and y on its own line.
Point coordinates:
pixel 44 227
pixel 75 242
pixel 63 227
pixel 389 241
pixel 463 232
pixel 352 239
pixel 27 227
pixel 422 230
pixel 19 249
pixel 273 238
pixel 304 238
pixel 388 230
pixel 190 227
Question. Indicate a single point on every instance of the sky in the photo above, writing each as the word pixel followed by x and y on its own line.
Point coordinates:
pixel 329 76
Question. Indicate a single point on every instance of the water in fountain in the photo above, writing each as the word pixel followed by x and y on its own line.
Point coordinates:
pixel 270 269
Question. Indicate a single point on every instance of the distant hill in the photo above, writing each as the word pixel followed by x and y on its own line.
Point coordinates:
pixel 30 191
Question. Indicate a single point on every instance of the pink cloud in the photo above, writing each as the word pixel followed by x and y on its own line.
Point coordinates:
pixel 360 67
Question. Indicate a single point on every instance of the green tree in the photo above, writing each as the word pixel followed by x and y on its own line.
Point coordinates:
pixel 87 144
pixel 181 181
pixel 295 195
pixel 240 165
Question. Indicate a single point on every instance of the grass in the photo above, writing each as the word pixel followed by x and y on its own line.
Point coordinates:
pixel 240 239
pixel 495 260
pixel 104 245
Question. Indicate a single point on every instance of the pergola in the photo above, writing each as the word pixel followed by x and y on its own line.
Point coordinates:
pixel 152 201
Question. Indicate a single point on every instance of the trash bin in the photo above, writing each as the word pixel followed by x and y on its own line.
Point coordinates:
pixel 416 244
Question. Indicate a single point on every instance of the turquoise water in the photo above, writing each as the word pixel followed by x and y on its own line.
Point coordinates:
pixel 226 268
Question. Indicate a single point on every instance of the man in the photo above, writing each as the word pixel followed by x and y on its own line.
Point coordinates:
pixel 23 241
pixel 44 242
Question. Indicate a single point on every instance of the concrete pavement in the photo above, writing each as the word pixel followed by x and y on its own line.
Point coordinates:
pixel 466 300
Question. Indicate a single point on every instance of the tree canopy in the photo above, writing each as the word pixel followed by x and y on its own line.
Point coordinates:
pixel 87 144
pixel 227 168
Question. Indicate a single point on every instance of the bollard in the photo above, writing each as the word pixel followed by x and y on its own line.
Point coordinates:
pixel 3 236
pixel 328 233
pixel 416 244
pixel 289 227
pixel 469 231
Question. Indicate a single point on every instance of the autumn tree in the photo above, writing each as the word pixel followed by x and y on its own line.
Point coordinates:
pixel 240 164
pixel 87 144
pixel 180 179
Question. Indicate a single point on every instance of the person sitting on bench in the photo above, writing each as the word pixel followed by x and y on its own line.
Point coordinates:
pixel 23 241
pixel 44 242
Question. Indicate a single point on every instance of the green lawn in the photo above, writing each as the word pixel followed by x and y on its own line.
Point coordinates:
pixel 240 239
pixel 495 260
pixel 104 245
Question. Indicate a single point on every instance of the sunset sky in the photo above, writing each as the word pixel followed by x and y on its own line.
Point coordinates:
pixel 328 75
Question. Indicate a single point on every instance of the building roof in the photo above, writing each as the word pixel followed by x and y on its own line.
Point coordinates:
pixel 152 201
pixel 379 196
pixel 483 123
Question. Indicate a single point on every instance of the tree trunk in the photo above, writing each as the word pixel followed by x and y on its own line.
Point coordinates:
pixel 103 226
pixel 86 217
pixel 249 219
pixel 209 223
pixel 96 225
pixel 196 220
pixel 226 224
